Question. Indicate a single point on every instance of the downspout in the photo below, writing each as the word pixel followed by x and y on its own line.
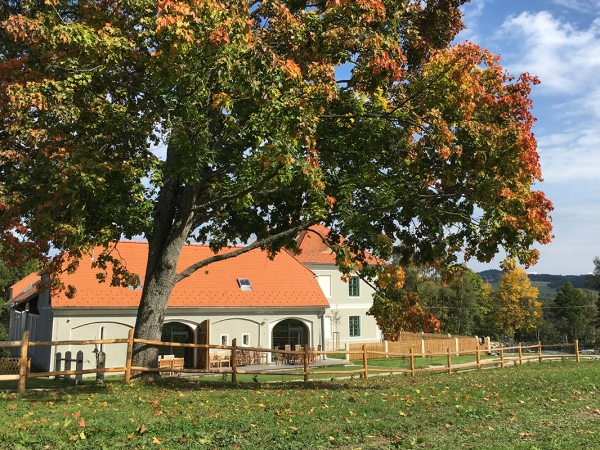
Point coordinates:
pixel 323 332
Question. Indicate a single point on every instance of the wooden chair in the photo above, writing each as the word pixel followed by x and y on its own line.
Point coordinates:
pixel 177 364
pixel 288 358
pixel 299 359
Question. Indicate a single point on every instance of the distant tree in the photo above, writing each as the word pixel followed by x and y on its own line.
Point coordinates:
pixel 517 311
pixel 594 279
pixel 462 304
pixel 573 313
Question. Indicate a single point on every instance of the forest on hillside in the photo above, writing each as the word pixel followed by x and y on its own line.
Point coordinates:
pixel 492 276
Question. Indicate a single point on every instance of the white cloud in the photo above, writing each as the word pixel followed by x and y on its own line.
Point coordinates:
pixel 566 59
pixel 471 14
pixel 572 153
pixel 585 6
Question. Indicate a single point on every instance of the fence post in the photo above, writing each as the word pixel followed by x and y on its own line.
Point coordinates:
pixel 57 360
pixel 234 360
pixel 501 355
pixel 449 361
pixel 385 346
pixel 364 349
pixel 576 350
pixel 23 361
pixel 129 356
pixel 520 353
pixel 423 346
pixel 540 350
pixel 79 366
pixel 306 356
pixel 412 362
pixel 68 364
pixel 457 348
pixel 347 348
pixel 478 358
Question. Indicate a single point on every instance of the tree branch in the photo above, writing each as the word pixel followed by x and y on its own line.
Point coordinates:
pixel 223 256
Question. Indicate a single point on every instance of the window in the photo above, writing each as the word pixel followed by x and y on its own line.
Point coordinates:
pixel 224 339
pixel 353 287
pixel 244 284
pixel 245 339
pixel 136 287
pixel 354 326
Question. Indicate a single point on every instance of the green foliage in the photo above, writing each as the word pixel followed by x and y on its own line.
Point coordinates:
pixel 573 313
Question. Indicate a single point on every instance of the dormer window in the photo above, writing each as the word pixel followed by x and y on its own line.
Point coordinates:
pixel 131 287
pixel 244 284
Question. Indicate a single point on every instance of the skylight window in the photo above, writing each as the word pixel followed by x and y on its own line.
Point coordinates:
pixel 244 284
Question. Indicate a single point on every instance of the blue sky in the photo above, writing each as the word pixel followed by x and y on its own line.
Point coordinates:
pixel 559 41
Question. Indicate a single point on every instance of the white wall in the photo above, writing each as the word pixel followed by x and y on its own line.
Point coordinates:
pixel 347 306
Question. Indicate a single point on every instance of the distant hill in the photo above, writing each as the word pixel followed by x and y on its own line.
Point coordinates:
pixel 492 276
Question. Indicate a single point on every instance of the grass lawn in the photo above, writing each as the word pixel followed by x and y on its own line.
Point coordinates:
pixel 553 405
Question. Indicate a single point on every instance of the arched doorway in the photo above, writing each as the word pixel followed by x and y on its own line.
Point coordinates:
pixel 178 332
pixel 289 332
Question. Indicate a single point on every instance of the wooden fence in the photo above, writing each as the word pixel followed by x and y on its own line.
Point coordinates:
pixel 421 344
pixel 304 356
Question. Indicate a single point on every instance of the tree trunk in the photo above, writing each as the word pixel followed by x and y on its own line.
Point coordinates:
pixel 159 283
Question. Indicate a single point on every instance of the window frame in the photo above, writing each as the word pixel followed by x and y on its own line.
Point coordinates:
pixel 226 336
pixel 246 335
pixel 354 286
pixel 353 328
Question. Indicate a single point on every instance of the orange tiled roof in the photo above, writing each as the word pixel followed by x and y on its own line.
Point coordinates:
pixel 281 282
pixel 24 289
pixel 315 251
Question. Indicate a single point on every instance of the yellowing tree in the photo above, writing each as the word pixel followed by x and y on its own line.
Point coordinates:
pixel 517 308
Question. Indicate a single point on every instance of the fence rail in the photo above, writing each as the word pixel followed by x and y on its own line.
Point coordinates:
pixel 365 352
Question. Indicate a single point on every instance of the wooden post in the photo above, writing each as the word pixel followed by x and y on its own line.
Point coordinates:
pixel 540 350
pixel 457 346
pixel 449 361
pixel 364 349
pixel 422 346
pixel 501 355
pixel 57 360
pixel 576 350
pixel 520 353
pixel 79 366
pixel 347 348
pixel 234 360
pixel 23 362
pixel 68 358
pixel 129 356
pixel 478 358
pixel 306 356
pixel 386 348
pixel 412 362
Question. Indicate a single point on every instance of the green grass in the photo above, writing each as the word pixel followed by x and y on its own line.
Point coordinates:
pixel 553 405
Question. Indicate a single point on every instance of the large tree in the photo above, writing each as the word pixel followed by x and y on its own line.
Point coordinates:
pixel 424 149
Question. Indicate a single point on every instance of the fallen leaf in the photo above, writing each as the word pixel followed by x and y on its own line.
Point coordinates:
pixel 141 430
pixel 155 440
pixel 81 423
pixel 82 435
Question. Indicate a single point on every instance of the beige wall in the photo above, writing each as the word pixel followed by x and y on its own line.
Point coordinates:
pixel 78 324
pixel 337 292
